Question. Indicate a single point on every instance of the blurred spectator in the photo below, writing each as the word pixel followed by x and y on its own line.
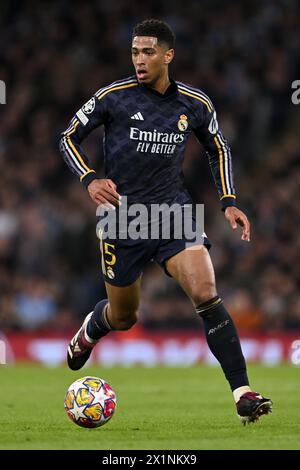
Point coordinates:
pixel 35 304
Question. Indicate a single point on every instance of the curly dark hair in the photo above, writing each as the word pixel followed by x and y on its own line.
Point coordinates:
pixel 156 28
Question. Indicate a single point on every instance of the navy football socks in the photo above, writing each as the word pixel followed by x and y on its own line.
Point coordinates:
pixel 98 325
pixel 223 341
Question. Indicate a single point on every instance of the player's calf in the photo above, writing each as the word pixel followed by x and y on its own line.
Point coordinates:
pixel 223 341
pixel 94 327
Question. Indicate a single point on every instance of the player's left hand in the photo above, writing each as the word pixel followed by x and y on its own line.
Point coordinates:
pixel 236 216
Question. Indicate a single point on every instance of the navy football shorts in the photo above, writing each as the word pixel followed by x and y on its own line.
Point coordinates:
pixel 123 261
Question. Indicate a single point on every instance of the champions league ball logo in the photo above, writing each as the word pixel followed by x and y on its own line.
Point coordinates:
pixel 89 106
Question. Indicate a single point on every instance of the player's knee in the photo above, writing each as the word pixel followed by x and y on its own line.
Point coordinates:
pixel 126 323
pixel 124 320
pixel 204 293
pixel 123 316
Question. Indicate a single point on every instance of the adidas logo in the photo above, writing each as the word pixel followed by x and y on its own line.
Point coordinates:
pixel 138 117
pixel 77 348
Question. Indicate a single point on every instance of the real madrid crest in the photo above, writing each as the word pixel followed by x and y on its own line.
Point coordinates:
pixel 183 123
pixel 110 273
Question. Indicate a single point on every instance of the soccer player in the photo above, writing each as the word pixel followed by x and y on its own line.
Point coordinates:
pixel 147 119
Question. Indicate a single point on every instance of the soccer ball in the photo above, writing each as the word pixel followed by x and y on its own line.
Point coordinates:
pixel 90 402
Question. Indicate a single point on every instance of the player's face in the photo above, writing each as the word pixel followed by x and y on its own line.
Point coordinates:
pixel 150 59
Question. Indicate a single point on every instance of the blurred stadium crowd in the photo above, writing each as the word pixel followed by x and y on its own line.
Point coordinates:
pixel 53 57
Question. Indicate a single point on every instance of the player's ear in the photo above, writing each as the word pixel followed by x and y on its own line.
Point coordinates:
pixel 169 54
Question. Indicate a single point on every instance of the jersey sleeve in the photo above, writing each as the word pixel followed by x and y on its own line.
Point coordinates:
pixel 92 114
pixel 218 152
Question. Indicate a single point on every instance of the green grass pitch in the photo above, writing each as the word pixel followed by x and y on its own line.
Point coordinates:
pixel 158 408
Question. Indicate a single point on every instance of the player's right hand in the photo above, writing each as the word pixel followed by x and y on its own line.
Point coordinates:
pixel 103 193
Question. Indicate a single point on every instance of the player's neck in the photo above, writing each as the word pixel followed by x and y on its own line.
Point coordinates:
pixel 162 84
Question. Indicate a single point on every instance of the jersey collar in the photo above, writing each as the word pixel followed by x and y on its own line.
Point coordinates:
pixel 171 90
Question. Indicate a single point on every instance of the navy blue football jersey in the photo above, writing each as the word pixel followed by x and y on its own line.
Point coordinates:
pixel 145 135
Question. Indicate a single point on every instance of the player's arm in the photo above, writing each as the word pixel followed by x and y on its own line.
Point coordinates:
pixel 220 161
pixel 93 114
